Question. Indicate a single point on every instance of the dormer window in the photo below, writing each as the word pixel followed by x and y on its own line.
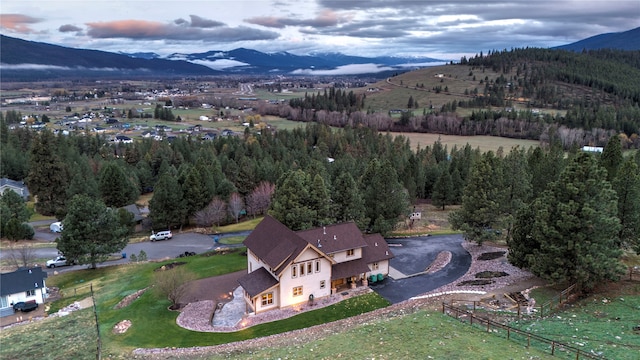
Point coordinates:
pixel 351 252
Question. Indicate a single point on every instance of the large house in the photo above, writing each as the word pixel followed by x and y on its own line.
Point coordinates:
pixel 25 284
pixel 286 268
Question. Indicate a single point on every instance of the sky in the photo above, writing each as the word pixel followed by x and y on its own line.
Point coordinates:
pixel 425 28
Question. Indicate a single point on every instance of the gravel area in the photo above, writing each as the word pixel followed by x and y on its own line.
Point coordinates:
pixel 517 278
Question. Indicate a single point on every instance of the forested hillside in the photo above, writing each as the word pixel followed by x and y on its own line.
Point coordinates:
pixel 585 98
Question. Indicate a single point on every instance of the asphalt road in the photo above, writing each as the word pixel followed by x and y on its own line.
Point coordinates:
pixel 179 244
pixel 413 257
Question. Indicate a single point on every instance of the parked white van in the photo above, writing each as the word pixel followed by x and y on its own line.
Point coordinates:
pixel 161 235
pixel 56 227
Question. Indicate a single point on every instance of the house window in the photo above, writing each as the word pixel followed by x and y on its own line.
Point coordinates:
pixel 317 265
pixel 297 291
pixel 323 284
pixel 267 299
pixel 350 252
pixel 294 271
pixel 309 267
pixel 31 292
pixel 375 266
pixel 4 302
pixel 301 269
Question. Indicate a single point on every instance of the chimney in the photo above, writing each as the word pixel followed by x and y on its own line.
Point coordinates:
pixel 335 237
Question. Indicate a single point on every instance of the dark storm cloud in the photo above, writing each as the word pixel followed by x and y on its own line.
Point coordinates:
pixel 69 28
pixel 197 21
pixel 562 19
pixel 151 30
pixel 324 19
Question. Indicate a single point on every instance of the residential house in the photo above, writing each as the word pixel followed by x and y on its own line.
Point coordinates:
pixel 17 186
pixel 25 284
pixel 210 136
pixel 286 268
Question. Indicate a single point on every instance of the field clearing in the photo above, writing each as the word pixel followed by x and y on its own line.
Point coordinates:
pixel 484 143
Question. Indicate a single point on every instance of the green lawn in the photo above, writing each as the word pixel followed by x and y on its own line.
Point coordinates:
pixel 421 335
pixel 601 324
pixel 69 337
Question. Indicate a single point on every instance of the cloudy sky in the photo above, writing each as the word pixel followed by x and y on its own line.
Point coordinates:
pixel 439 29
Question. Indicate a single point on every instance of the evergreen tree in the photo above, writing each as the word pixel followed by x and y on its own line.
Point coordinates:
pixel 516 186
pixel 384 197
pixel 48 175
pixel 480 211
pixel 627 186
pixel 82 180
pixel 443 193
pixel 92 231
pixel 291 201
pixel 611 158
pixel 116 189
pixel 573 228
pixel 14 215
pixel 320 202
pixel 193 191
pixel 348 203
pixel 166 207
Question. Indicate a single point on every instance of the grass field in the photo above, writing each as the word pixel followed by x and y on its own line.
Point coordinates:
pixel 484 143
pixel 601 324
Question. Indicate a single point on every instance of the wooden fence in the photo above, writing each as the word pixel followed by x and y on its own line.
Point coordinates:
pixel 515 334
pixel 541 310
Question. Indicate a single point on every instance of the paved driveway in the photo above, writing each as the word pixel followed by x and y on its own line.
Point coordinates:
pixel 413 256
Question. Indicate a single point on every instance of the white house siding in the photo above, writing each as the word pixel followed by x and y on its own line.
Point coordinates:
pixel 310 282
pixel 39 297
pixel 383 268
pixel 342 255
pixel 258 307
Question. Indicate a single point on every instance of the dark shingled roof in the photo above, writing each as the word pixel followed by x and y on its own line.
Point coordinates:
pixel 348 269
pixel 377 250
pixel 335 238
pixel 258 281
pixel 275 244
pixel 22 280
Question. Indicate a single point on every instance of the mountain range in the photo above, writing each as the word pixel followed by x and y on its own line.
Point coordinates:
pixel 626 40
pixel 29 61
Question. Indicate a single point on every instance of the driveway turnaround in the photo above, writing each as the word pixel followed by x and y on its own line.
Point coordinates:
pixel 412 257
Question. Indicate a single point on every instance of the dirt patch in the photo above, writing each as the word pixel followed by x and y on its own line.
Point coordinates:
pixel 129 299
pixel 491 255
pixel 475 282
pixel 490 274
pixel 221 251
pixel 170 266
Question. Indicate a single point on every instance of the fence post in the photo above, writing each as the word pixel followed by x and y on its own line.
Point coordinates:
pixel 508 333
pixel 528 340
pixel 553 347
pixel 95 313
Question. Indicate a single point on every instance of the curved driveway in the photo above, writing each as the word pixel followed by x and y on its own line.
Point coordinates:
pixel 412 258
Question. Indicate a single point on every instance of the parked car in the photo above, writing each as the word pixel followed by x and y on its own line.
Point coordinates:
pixel 161 235
pixel 59 261
pixel 25 306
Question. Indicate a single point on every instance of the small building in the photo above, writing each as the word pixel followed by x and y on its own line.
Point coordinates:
pixel 18 187
pixel 597 149
pixel 27 285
